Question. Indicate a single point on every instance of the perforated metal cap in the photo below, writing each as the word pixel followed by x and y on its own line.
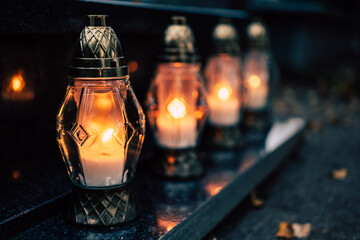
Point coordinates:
pixel 179 43
pixel 226 38
pixel 258 35
pixel 99 52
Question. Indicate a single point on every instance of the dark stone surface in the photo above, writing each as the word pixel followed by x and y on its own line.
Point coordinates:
pixel 302 190
pixel 163 203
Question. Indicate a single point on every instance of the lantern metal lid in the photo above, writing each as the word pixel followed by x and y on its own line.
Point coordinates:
pixel 179 43
pixel 226 38
pixel 258 35
pixel 99 52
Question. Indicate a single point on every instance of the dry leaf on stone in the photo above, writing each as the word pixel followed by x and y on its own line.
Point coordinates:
pixel 285 230
pixel 301 230
pixel 339 174
pixel 255 202
pixel 288 230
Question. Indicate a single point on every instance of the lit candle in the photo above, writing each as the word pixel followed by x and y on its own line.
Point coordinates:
pixel 224 107
pixel 103 153
pixel 176 128
pixel 257 92
pixel 16 90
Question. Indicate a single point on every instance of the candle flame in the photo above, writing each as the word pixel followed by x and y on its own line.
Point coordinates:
pixel 177 108
pixel 224 93
pixel 107 135
pixel 254 81
pixel 17 83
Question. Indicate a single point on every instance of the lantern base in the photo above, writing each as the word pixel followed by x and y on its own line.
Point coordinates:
pixel 256 124
pixel 222 138
pixel 103 207
pixel 177 163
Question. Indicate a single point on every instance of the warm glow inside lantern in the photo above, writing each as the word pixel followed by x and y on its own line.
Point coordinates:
pixel 256 68
pixel 177 105
pixel 256 81
pixel 100 128
pixel 224 90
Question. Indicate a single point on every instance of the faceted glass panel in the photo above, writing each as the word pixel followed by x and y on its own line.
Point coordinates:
pixel 101 129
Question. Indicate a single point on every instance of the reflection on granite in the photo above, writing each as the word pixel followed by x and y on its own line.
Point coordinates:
pixel 162 203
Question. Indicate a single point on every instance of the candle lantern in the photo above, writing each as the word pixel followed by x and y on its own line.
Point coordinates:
pixel 177 104
pixel 257 79
pixel 223 82
pixel 100 129
pixel 17 95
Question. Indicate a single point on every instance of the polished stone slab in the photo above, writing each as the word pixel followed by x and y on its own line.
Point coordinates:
pixel 186 209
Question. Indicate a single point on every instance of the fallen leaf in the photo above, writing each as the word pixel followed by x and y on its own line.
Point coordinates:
pixel 339 174
pixel 288 230
pixel 255 202
pixel 285 230
pixel 301 230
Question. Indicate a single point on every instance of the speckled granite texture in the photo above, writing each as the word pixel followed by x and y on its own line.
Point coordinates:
pixel 302 189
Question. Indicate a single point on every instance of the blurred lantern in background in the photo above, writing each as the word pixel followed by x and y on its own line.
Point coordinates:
pixel 100 128
pixel 17 89
pixel 17 96
pixel 176 103
pixel 258 76
pixel 223 82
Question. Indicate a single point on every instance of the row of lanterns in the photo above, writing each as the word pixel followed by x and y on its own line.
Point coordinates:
pixel 101 126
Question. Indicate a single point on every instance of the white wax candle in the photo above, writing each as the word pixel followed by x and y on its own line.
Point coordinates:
pixel 224 106
pixel 257 93
pixel 176 133
pixel 103 161
pixel 224 113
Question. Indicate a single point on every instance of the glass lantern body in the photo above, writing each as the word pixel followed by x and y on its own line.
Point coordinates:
pixel 257 79
pixel 100 131
pixel 177 105
pixel 223 82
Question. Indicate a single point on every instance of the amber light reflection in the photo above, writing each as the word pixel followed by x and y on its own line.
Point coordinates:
pixel 166 224
pixel 214 188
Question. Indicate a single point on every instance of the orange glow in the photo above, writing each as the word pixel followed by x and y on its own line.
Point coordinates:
pixel 16 174
pixel 166 224
pixel 107 135
pixel 177 108
pixel 177 64
pixel 254 81
pixel 17 83
pixel 103 100
pixel 171 160
pixel 213 188
pixel 132 66
pixel 199 114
